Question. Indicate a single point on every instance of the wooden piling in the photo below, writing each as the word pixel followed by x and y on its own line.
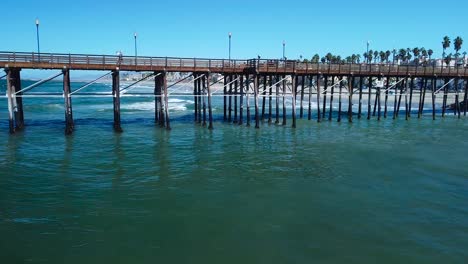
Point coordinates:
pixel 387 86
pixel 402 85
pixel 325 90
pixel 434 83
pixel 159 113
pixel 350 98
pixel 204 79
pixel 293 104
pixel 264 97
pixel 444 101
pixel 166 101
pixel 195 97
pixel 330 112
pixel 284 100
pixel 11 99
pixel 456 109
pixel 406 101
pixel 200 106
pixel 421 97
pixel 68 103
pixel 236 94
pixel 318 98
pixel 360 96
pixel 241 99
pixel 424 95
pixel 225 99
pixel 230 98
pixel 256 90
pixel 301 114
pixel 465 98
pixel 277 99
pixel 247 99
pixel 210 111
pixel 270 99
pixel 309 114
pixel 116 100
pixel 19 112
pixel 339 99
pixel 411 96
pixel 379 110
pixel 369 92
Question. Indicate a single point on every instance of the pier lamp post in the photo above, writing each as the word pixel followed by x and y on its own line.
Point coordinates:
pixel 230 35
pixel 136 54
pixel 284 47
pixel 37 39
pixel 368 42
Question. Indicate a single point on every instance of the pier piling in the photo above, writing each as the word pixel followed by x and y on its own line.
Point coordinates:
pixel 293 105
pixel 241 99
pixel 270 98
pixel 116 100
pixel 195 97
pixel 325 90
pixel 68 103
pixel 256 89
pixel 210 111
pixel 319 77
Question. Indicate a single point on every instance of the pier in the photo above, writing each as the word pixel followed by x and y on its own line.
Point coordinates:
pixel 269 82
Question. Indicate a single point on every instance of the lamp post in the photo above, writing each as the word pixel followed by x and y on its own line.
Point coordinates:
pixel 284 47
pixel 37 38
pixel 230 35
pixel 368 42
pixel 136 54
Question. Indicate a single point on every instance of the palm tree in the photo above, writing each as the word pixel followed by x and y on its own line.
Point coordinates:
pixel 448 59
pixel 387 55
pixel 370 55
pixel 358 58
pixel 376 55
pixel 430 52
pixel 366 56
pixel 323 60
pixel 445 44
pixel 394 55
pixel 416 55
pixel 329 57
pixel 458 42
pixel 382 56
pixel 316 58
pixel 402 54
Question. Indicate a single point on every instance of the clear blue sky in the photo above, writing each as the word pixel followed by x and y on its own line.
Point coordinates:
pixel 200 28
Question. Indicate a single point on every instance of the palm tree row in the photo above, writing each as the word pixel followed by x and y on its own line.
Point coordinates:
pixel 416 55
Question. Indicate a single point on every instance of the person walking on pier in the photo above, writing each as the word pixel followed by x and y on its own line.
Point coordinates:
pixel 120 55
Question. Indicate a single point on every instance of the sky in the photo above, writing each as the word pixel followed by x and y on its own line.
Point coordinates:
pixel 200 28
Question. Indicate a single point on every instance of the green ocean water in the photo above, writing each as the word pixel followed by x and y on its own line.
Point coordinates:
pixel 393 191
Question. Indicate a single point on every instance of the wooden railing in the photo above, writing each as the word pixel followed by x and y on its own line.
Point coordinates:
pixel 34 60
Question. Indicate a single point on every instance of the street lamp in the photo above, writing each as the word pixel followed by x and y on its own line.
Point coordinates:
pixel 284 46
pixel 230 35
pixel 368 42
pixel 135 37
pixel 37 38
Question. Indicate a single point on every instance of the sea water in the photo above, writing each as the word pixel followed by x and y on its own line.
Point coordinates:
pixel 393 191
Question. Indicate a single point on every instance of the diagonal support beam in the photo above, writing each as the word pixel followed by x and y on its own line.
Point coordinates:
pixel 436 92
pixel 90 83
pixel 38 83
pixel 130 85
pixel 179 81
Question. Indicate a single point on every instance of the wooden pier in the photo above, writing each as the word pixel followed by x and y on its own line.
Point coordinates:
pixel 268 82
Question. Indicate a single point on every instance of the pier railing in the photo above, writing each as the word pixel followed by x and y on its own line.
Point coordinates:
pixel 144 63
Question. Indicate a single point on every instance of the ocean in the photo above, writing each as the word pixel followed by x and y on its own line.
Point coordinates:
pixel 393 191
